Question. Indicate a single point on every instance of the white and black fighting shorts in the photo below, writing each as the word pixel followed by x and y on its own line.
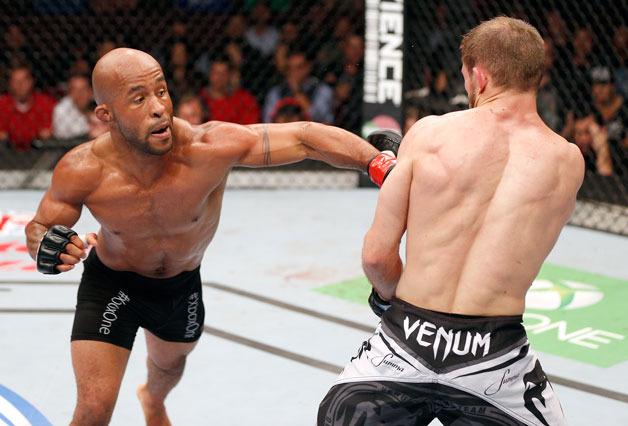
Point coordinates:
pixel 111 305
pixel 461 369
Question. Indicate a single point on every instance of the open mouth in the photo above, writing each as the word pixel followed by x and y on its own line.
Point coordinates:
pixel 160 131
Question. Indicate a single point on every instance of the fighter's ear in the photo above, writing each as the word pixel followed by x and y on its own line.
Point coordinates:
pixel 103 114
pixel 481 77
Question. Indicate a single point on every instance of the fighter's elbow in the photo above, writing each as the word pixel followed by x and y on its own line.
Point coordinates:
pixel 374 255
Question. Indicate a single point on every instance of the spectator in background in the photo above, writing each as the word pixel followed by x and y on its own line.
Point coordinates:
pixel 556 28
pixel 548 100
pixel 191 109
pixel 256 71
pixel 412 113
pixel 261 35
pixel 573 82
pixel 103 47
pixel 438 97
pixel 611 111
pixel 69 117
pixel 620 60
pixel 347 79
pixel 16 50
pixel 288 110
pixel 582 61
pixel 329 53
pixel 225 102
pixel 25 114
pixel 289 35
pixel 80 65
pixel 592 139
pixel 179 72
pixel 314 96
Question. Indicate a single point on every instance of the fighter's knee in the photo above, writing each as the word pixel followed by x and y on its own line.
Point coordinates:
pixel 171 365
pixel 93 412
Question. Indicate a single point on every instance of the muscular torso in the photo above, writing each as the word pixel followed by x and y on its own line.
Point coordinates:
pixel 161 228
pixel 489 195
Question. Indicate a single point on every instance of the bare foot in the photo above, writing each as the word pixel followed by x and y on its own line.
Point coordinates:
pixel 154 412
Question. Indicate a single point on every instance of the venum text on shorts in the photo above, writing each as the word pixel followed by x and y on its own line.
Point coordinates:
pixel 110 315
pixel 192 324
pixel 459 342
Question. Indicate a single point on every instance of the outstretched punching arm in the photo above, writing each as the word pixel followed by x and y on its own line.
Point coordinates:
pixel 263 145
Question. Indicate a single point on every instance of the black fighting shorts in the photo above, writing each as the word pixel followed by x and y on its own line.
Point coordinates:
pixel 464 370
pixel 111 305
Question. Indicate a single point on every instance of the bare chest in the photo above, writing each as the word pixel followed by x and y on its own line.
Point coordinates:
pixel 182 200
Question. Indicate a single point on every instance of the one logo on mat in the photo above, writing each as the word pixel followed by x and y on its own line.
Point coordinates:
pixel 576 315
pixel 15 410
pixel 549 295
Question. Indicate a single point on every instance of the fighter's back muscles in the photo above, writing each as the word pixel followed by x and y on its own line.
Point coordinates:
pixel 73 179
pixel 462 254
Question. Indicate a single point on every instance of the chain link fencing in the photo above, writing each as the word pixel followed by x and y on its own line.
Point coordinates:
pixel 284 60
pixel 583 95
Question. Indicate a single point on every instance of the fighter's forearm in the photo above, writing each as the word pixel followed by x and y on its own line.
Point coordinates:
pixel 34 233
pixel 337 146
pixel 384 275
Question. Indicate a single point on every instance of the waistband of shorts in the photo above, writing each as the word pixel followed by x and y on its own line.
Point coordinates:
pixel 454 319
pixel 445 340
pixel 134 281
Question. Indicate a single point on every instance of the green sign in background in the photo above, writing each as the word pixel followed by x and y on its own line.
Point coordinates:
pixel 610 314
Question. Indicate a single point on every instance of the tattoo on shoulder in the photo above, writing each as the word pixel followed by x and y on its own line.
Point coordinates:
pixel 266 146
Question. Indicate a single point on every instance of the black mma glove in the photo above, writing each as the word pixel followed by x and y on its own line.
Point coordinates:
pixel 377 304
pixel 50 248
pixel 380 166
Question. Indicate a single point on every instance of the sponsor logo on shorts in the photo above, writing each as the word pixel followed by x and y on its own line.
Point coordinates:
pixel 493 388
pixel 192 325
pixel 111 311
pixel 386 360
pixel 459 342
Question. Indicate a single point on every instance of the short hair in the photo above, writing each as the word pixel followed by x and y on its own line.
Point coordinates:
pixel 189 98
pixel 511 50
pixel 22 66
pixel 297 51
pixel 220 59
pixel 81 76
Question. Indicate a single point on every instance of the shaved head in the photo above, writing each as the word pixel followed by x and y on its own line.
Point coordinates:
pixel 132 96
pixel 116 68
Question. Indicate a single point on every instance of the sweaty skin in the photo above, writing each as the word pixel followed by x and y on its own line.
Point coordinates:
pixel 483 195
pixel 158 196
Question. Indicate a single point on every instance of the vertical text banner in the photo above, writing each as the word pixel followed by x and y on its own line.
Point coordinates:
pixel 383 65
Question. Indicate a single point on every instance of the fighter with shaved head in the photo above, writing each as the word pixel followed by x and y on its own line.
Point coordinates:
pixel 155 184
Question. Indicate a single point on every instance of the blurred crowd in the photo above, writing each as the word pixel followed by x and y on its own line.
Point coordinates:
pixel 253 61
pixel 243 64
pixel 584 87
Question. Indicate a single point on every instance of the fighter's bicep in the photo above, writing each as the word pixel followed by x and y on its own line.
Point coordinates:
pixel 53 210
pixel 63 201
pixel 274 144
